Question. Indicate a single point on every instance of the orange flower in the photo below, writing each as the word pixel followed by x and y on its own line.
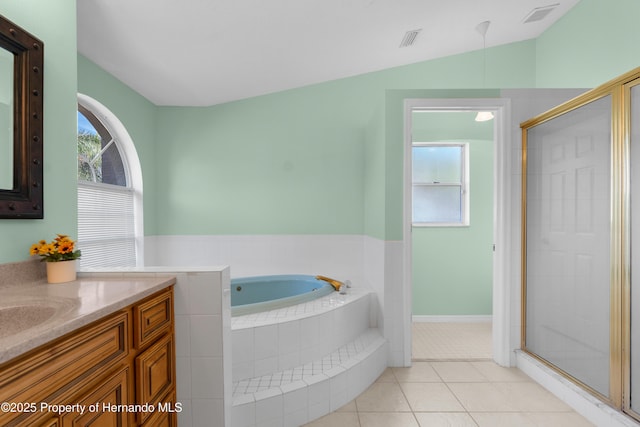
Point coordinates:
pixel 35 249
pixel 46 249
pixel 61 248
pixel 65 247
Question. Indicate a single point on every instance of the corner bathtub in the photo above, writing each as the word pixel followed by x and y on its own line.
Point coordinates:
pixel 263 293
pixel 294 364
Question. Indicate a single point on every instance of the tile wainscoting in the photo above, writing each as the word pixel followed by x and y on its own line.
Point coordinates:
pixel 373 263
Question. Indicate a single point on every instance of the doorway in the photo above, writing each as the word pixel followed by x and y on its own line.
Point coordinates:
pixel 452 235
pixel 494 299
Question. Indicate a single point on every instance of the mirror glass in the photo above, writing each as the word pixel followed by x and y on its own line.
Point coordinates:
pixel 6 119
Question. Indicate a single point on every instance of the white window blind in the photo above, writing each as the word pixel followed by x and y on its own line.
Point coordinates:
pixel 106 232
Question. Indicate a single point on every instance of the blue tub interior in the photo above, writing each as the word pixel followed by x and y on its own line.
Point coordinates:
pixel 261 293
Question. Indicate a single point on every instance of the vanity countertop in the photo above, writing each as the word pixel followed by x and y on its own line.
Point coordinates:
pixel 35 313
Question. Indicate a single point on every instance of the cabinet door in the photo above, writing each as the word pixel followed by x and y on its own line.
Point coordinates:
pixel 100 404
pixel 167 413
pixel 155 373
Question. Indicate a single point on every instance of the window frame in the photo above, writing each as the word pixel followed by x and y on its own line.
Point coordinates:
pixel 464 185
pixel 131 164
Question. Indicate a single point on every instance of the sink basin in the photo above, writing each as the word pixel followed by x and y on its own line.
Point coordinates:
pixel 19 318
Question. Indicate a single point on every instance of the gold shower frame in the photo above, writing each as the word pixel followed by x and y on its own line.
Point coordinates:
pixel 619 89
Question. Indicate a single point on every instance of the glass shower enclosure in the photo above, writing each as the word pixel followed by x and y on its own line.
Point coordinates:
pixel 581 241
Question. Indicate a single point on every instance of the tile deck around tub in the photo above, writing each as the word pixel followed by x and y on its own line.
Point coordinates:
pixel 297 311
pixel 311 372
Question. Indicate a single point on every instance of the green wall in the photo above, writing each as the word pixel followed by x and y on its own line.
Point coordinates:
pixel 54 23
pixel 592 44
pixel 288 163
pixel 452 266
pixel 298 161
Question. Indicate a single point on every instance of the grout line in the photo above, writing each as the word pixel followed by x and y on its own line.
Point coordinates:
pixel 469 414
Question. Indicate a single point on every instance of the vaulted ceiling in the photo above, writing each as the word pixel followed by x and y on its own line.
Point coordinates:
pixel 206 52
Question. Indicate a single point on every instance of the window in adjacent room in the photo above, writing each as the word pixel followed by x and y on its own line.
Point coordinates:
pixel 440 193
pixel 109 190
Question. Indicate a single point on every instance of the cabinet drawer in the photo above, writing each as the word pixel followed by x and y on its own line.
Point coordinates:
pixel 54 371
pixel 155 373
pixel 112 393
pixel 152 318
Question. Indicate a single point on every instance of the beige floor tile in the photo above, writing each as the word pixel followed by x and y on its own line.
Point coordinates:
pixel 335 419
pixel 497 373
pixel 455 393
pixel 502 419
pixel 531 397
pixel 560 419
pixel 524 419
pixel 445 419
pixel 382 397
pixel 349 407
pixel 431 397
pixel 418 372
pixel 481 397
pixel 387 419
pixel 387 376
pixel 461 372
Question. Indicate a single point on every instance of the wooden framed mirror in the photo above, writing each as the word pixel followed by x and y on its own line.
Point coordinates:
pixel 21 123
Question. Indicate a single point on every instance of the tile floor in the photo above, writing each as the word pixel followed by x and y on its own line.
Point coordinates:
pixel 461 393
pixel 451 341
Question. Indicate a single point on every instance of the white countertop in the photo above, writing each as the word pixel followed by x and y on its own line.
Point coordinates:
pixel 75 304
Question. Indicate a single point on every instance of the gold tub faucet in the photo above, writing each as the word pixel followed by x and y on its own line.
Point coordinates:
pixel 333 282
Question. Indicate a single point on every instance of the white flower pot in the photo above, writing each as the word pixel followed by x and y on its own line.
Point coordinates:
pixel 61 271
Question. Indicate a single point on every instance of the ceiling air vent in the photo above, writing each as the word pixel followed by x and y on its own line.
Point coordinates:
pixel 409 38
pixel 539 13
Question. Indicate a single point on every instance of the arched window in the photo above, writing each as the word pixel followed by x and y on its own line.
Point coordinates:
pixel 110 227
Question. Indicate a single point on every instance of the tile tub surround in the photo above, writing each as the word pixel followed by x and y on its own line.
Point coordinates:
pixel 279 339
pixel 298 363
pixel 375 263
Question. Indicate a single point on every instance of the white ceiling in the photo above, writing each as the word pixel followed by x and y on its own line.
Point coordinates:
pixel 206 52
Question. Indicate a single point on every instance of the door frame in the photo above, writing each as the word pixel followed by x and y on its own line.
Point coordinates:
pixel 501 298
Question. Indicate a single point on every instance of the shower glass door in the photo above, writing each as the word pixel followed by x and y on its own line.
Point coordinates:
pixel 567 212
pixel 633 400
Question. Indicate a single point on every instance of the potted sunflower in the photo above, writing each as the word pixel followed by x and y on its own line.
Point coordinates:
pixel 60 255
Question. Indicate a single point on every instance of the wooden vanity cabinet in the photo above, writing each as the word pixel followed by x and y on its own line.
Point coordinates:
pixel 125 359
pixel 114 390
pixel 154 343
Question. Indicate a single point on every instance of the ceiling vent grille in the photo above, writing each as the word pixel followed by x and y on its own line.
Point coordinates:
pixel 409 38
pixel 539 13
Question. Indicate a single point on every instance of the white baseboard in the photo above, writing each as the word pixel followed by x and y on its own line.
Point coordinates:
pixel 479 318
